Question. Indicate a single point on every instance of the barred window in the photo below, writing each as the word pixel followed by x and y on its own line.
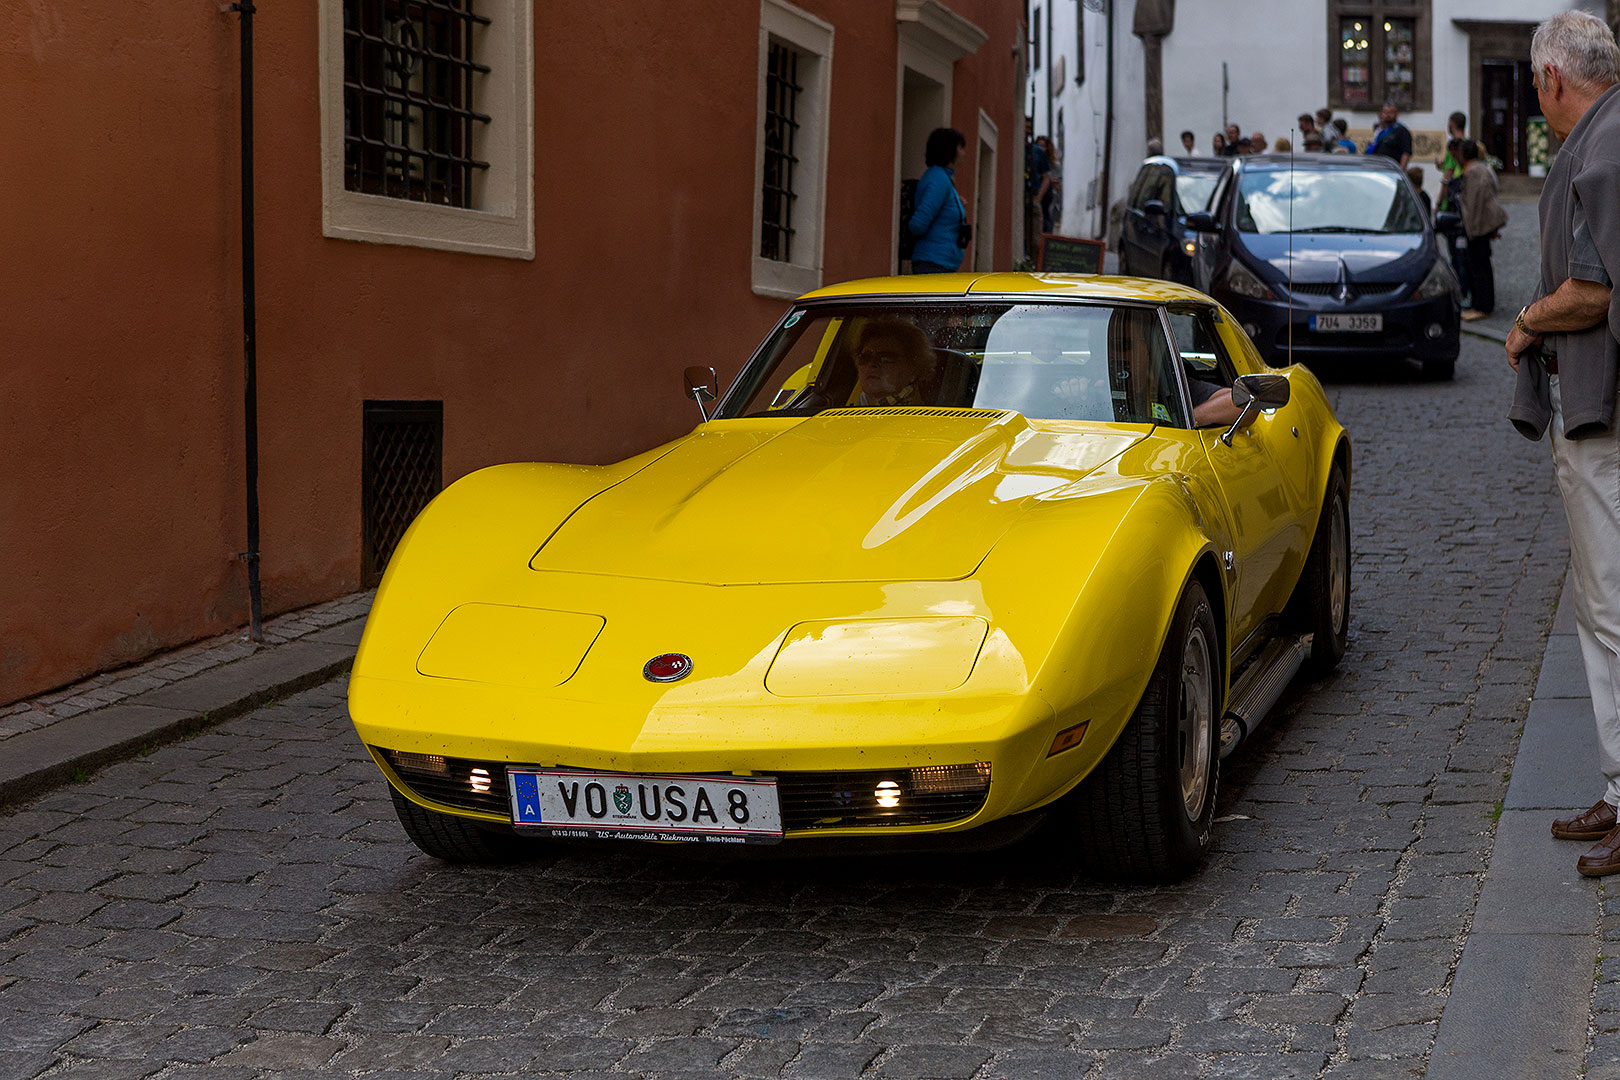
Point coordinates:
pixel 782 91
pixel 409 115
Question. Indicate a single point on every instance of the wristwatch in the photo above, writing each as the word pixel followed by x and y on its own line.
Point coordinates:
pixel 1518 320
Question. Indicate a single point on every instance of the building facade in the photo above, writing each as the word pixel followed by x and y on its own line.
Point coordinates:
pixel 484 231
pixel 1260 63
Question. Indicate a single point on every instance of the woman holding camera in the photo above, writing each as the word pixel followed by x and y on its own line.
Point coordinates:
pixel 940 221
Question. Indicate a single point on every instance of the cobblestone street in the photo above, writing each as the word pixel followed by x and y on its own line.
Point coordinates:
pixel 244 904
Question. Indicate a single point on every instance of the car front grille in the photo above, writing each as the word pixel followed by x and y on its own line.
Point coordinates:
pixel 928 795
pixel 1355 289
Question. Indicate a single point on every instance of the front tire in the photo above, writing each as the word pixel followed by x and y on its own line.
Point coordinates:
pixel 456 839
pixel 1321 605
pixel 1144 814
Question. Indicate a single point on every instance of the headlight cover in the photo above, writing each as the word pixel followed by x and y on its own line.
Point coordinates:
pixel 1241 280
pixel 877 657
pixel 1437 282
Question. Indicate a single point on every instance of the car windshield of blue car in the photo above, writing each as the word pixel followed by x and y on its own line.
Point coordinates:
pixel 1056 361
pixel 1328 201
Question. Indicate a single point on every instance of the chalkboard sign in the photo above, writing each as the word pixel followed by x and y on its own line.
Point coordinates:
pixel 1070 255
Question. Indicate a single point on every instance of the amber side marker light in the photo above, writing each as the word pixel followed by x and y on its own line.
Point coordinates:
pixel 1068 738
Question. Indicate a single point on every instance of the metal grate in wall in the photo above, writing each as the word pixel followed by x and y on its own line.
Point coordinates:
pixel 408 99
pixel 402 468
pixel 781 130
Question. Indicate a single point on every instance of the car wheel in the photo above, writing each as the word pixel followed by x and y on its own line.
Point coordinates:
pixel 1144 813
pixel 456 839
pixel 1440 369
pixel 1321 604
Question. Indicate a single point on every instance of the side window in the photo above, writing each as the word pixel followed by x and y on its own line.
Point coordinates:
pixel 1140 362
pixel 1133 198
pixel 1198 345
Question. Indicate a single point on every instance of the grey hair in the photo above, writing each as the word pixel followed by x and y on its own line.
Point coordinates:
pixel 1580 46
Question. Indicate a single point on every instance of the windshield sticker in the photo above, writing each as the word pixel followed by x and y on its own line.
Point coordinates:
pixel 1160 412
pixel 792 319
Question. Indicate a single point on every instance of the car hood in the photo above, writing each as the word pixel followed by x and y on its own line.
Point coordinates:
pixel 1317 257
pixel 849 495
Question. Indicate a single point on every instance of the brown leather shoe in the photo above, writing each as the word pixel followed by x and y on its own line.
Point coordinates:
pixel 1592 825
pixel 1603 859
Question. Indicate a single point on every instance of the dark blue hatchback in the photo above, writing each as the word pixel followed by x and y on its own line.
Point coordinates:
pixel 1322 255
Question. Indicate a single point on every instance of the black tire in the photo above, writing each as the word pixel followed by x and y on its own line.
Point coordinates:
pixel 1321 602
pixel 456 839
pixel 1440 368
pixel 1144 813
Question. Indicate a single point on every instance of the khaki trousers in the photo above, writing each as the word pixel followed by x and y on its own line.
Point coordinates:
pixel 1588 473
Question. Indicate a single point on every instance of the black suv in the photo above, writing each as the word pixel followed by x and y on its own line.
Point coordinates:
pixel 1154 240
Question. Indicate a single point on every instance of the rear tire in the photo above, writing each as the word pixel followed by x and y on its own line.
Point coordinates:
pixel 1321 603
pixel 457 839
pixel 1144 814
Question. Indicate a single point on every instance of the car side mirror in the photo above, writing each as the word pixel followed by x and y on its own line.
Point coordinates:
pixel 1251 393
pixel 1153 207
pixel 1202 221
pixel 1448 223
pixel 702 385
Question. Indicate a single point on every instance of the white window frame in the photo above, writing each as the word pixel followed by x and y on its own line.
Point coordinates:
pixel 812 38
pixel 502 220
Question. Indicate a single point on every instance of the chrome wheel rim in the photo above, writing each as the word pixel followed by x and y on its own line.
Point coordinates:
pixel 1195 730
pixel 1338 566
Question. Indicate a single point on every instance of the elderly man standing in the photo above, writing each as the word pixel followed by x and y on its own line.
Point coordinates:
pixel 1565 351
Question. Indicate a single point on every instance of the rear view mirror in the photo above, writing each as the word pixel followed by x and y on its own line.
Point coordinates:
pixel 702 385
pixel 1153 207
pixel 1251 393
pixel 1266 391
pixel 1202 221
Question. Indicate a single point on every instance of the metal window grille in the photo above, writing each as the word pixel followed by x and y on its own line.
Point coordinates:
pixel 781 130
pixel 408 106
pixel 402 468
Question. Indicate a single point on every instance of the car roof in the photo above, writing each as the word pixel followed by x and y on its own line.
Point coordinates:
pixel 1317 161
pixel 1190 165
pixel 1036 286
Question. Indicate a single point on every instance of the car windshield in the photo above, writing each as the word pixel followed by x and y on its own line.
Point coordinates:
pixel 1327 201
pixel 1195 189
pixel 1059 361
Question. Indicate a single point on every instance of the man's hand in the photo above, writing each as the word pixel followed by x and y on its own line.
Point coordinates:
pixel 1519 343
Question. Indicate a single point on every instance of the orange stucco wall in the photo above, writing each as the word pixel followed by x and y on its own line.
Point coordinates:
pixel 121 494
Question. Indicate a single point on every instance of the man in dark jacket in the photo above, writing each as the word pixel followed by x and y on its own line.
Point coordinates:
pixel 1391 140
pixel 1564 347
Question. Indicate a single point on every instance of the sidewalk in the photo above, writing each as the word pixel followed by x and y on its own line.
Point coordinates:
pixel 1516 266
pixel 55 737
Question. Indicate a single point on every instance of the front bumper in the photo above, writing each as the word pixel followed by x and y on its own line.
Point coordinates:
pixel 1422 329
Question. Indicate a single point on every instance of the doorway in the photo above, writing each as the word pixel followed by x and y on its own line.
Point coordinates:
pixel 1507 102
pixel 923 107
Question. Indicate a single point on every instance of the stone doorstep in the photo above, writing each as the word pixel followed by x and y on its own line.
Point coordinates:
pixel 53 754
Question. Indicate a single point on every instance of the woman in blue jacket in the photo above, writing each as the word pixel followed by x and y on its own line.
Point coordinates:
pixel 940 220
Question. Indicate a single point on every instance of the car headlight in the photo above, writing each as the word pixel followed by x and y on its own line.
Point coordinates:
pixel 926 655
pixel 1241 280
pixel 1439 281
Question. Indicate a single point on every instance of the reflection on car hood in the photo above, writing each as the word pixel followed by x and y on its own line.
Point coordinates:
pixel 851 495
pixel 1366 256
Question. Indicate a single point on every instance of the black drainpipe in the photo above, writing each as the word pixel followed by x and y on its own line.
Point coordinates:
pixel 250 386
pixel 1108 123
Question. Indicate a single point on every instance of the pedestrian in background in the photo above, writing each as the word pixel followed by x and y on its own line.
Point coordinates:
pixel 1392 139
pixel 1217 145
pixel 1155 146
pixel 1568 387
pixel 1483 217
pixel 1283 146
pixel 1307 125
pixel 940 220
pixel 1257 143
pixel 1415 174
pixel 1339 130
pixel 1235 143
pixel 1189 142
pixel 1313 143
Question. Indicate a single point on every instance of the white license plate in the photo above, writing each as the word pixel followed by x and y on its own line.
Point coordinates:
pixel 624 806
pixel 1354 324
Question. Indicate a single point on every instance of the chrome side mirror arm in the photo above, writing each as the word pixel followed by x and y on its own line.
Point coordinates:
pixel 701 385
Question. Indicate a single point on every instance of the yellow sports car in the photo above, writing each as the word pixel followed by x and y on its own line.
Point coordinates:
pixel 952 554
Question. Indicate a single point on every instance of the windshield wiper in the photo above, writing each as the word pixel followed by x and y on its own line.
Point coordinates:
pixel 1336 229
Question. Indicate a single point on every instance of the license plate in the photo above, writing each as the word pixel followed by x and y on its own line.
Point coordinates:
pixel 623 806
pixel 1355 324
